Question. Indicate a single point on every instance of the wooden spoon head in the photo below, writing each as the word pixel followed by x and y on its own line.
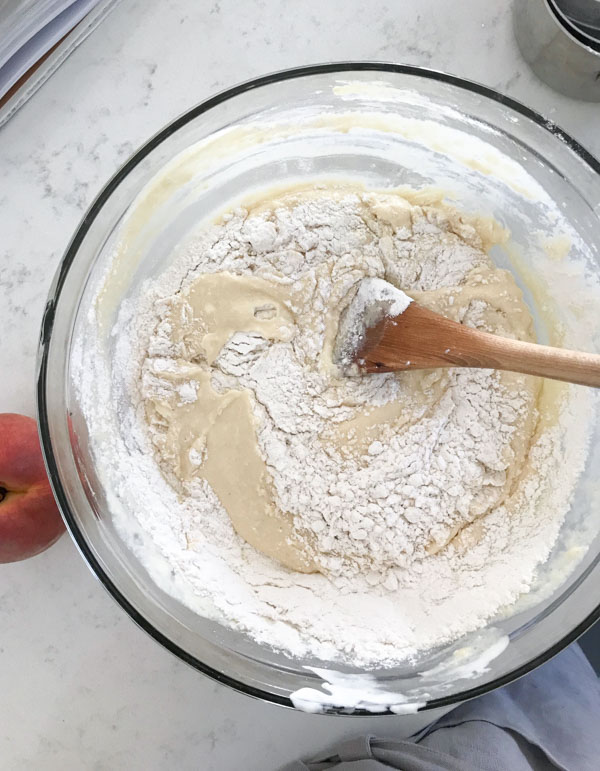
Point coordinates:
pixel 416 339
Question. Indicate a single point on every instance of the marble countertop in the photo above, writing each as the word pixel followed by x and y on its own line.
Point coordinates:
pixel 82 686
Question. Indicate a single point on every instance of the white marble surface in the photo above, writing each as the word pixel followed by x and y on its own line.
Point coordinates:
pixel 82 687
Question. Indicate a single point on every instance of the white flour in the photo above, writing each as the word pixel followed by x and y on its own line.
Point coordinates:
pixel 375 520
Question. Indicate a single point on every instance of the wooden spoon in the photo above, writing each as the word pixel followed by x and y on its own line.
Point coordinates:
pixel 418 338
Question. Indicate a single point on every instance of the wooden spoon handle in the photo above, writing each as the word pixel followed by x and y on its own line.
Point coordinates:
pixel 399 343
pixel 544 361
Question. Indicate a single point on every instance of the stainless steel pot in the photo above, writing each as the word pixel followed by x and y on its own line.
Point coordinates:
pixel 561 50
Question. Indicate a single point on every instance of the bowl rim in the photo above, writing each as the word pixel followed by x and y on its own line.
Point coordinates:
pixel 54 297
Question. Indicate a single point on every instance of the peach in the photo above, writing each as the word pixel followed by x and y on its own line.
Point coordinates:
pixel 29 517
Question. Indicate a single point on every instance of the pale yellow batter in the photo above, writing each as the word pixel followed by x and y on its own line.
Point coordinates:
pixel 206 424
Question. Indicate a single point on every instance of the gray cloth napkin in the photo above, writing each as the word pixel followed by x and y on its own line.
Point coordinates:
pixel 549 719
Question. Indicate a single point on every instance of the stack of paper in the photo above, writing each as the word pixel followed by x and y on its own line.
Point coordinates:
pixel 36 36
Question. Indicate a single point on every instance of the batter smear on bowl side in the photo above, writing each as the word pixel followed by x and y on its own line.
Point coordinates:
pixel 365 518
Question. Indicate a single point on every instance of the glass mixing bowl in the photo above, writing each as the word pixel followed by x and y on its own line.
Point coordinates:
pixel 387 125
